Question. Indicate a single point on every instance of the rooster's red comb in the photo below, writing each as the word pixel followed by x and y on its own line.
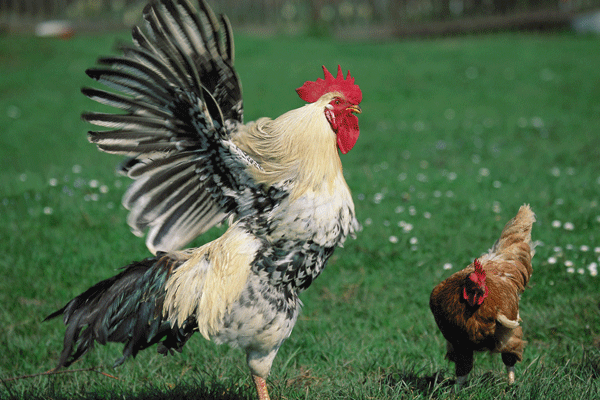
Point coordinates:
pixel 312 91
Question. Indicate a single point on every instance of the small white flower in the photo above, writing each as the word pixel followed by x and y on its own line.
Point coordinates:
pixel 551 260
pixel 427 215
pixel 438 193
pixel 583 247
pixel 399 210
pixel 53 182
pixel 556 224
pixel 593 268
pixel 447 266
pixel 571 270
pixel 48 210
pixel 414 240
pixel 407 228
pixel 569 226
pixel 484 172
pixel 568 263
pixel 103 189
pixel 580 271
pixel 368 221
pixel 386 223
pixel 452 176
pixel 23 177
pixel 76 169
pixel 596 250
pixel 377 198
pixel 393 239
pixel 412 210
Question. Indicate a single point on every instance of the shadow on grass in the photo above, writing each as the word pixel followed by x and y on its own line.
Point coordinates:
pixel 416 382
pixel 187 391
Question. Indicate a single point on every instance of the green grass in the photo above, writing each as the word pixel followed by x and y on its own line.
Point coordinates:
pixel 456 134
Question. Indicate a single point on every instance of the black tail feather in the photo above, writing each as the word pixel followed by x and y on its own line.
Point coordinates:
pixel 126 308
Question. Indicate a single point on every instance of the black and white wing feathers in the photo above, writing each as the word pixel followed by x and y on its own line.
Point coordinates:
pixel 181 101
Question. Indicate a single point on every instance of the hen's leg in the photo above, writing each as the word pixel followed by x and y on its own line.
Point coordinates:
pixel 463 360
pixel 261 387
pixel 510 360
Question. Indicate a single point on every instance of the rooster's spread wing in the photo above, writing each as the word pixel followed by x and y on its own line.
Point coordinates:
pixel 182 101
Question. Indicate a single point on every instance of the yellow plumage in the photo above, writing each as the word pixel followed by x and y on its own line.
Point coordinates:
pixel 210 280
pixel 298 147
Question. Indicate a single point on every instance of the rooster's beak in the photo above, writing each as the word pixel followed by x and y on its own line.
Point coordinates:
pixel 355 109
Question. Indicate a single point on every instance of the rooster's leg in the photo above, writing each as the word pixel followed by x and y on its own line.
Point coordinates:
pixel 510 360
pixel 261 387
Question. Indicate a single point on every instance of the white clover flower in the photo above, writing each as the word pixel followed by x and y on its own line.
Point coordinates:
pixel 556 224
pixel 53 182
pixel 48 210
pixel 76 169
pixel 571 270
pixel 568 263
pixel 569 226
pixel 551 260
pixel 414 240
pixel 583 247
pixel 393 239
pixel 593 268
pixel 447 266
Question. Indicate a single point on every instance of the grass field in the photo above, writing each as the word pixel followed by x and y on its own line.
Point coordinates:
pixel 456 134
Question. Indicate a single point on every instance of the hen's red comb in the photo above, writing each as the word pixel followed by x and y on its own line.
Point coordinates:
pixel 312 91
pixel 478 268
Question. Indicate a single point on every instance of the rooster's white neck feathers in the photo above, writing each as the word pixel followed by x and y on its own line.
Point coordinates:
pixel 297 148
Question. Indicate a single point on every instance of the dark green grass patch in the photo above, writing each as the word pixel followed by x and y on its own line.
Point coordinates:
pixel 456 134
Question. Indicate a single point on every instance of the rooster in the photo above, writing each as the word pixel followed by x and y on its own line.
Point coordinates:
pixel 477 309
pixel 195 164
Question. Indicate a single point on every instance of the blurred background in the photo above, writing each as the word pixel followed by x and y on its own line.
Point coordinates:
pixel 352 19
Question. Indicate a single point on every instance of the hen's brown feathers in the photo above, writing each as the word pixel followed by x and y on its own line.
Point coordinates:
pixel 493 325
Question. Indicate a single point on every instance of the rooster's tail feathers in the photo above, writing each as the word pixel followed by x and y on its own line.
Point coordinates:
pixel 126 308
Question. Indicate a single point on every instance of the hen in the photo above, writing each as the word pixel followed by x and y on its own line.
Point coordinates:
pixel 477 309
pixel 195 163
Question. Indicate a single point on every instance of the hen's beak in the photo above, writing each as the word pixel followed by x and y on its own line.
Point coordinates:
pixel 355 109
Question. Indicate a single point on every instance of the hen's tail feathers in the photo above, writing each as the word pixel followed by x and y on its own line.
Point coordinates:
pixel 127 308
pixel 514 247
pixel 517 230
